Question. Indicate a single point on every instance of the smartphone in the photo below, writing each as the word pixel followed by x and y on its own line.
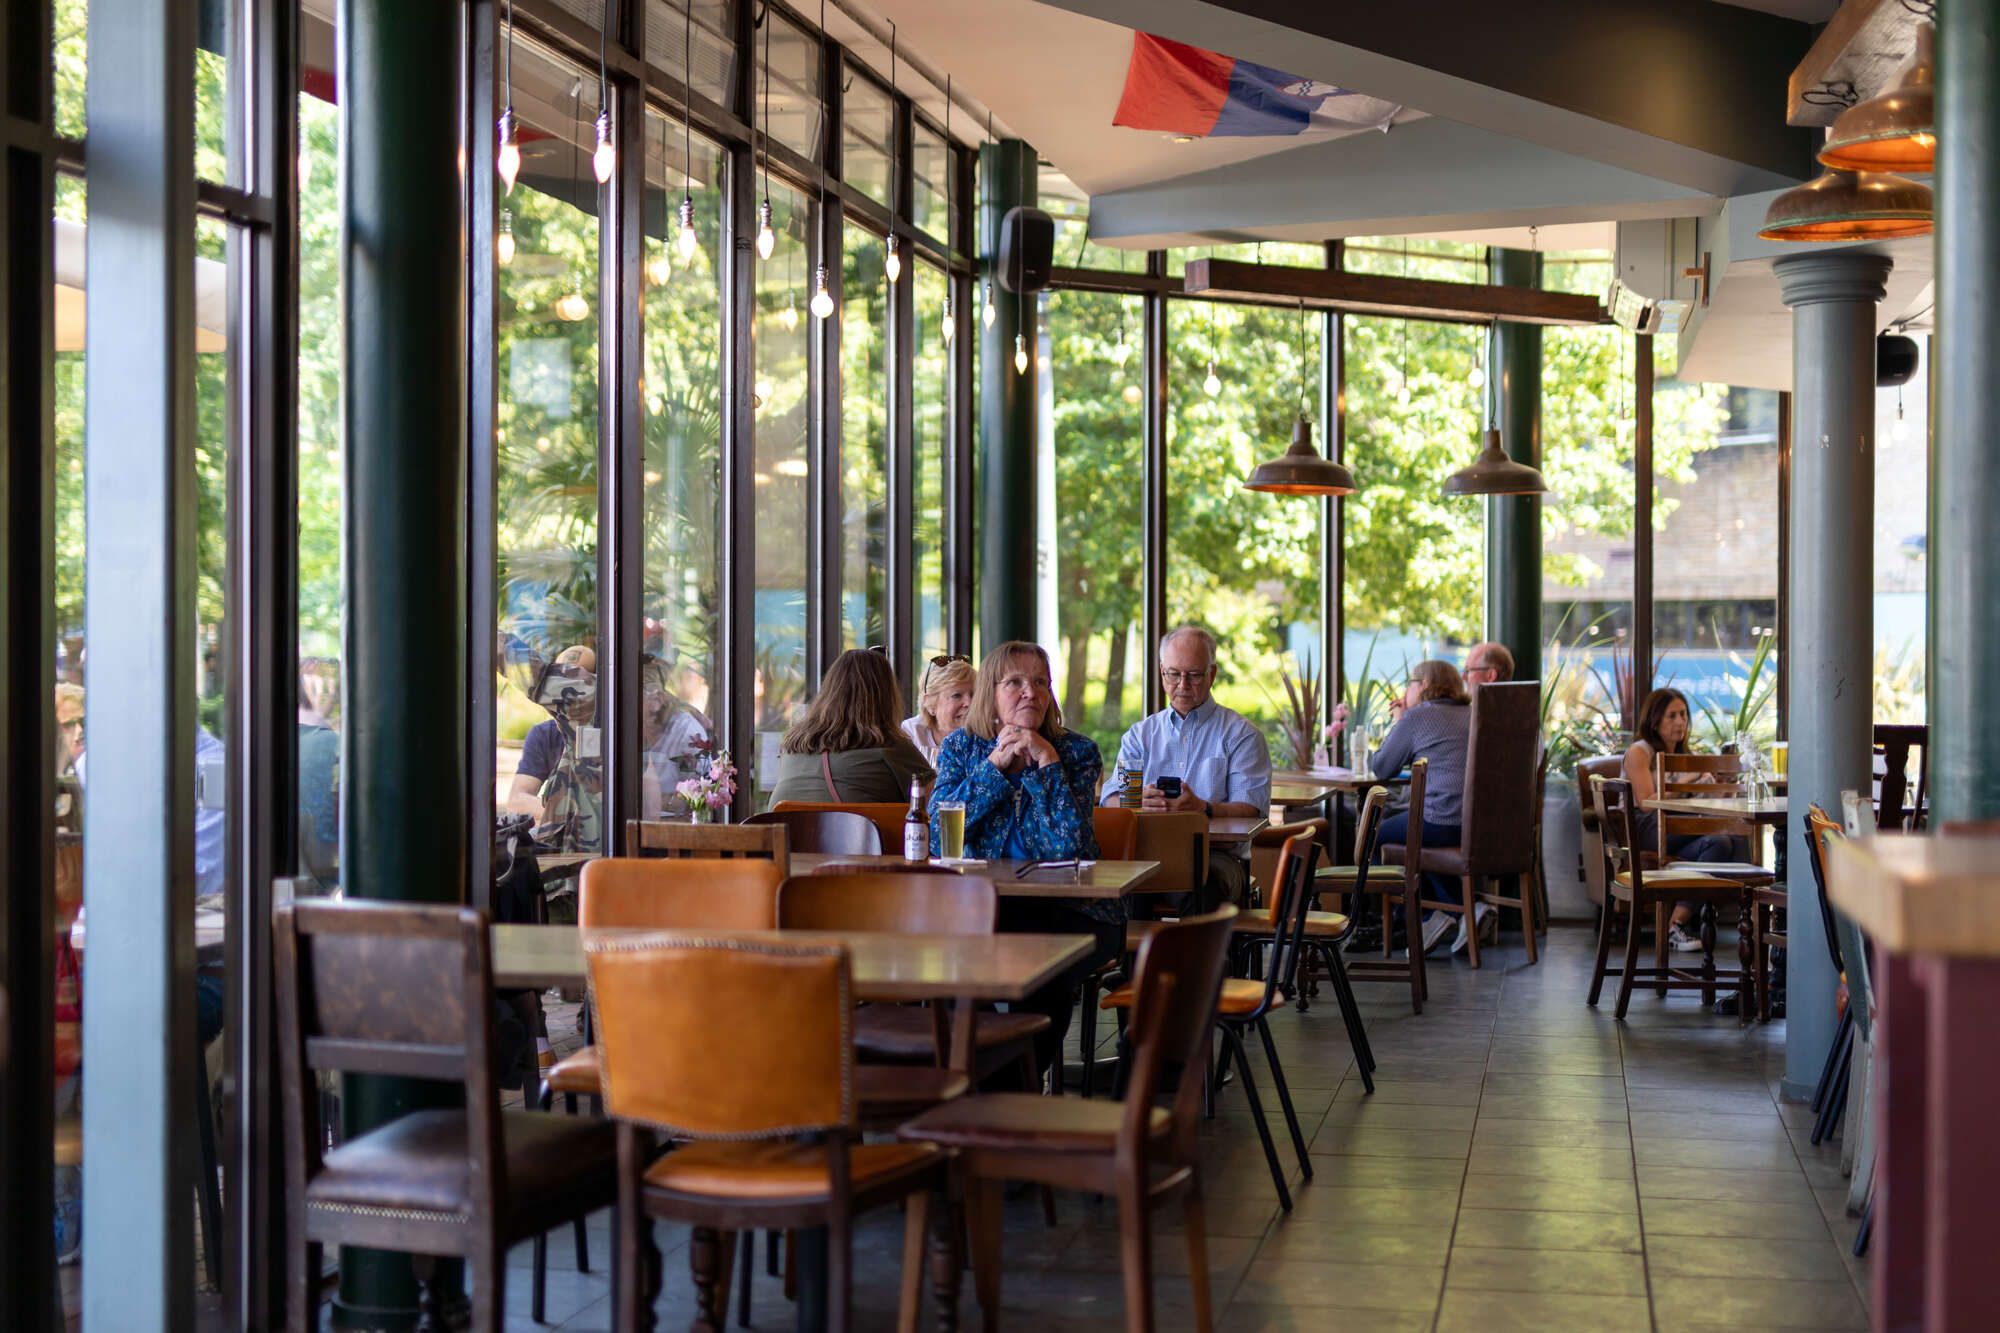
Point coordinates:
pixel 1168 787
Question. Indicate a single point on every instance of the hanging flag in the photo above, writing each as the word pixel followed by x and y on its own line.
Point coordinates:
pixel 1181 89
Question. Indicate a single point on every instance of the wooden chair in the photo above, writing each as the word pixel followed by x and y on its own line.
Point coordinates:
pixel 1406 889
pixel 887 816
pixel 1640 890
pixel 1321 935
pixel 765 1112
pixel 1245 1003
pixel 839 832
pixel 1135 1151
pixel 1898 809
pixel 1845 948
pixel 1268 847
pixel 380 988
pixel 1699 776
pixel 1501 812
pixel 1592 819
pixel 666 837
pixel 1117 832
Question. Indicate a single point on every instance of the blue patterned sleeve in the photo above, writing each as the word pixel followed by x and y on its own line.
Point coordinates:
pixel 964 775
pixel 1062 798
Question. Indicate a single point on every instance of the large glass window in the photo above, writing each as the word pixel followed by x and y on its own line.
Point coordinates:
pixel 930 167
pixel 788 84
pixel 867 136
pixel 864 440
pixel 552 763
pixel 712 51
pixel 1091 544
pixel 683 469
pixel 1902 543
pixel 1062 200
pixel 783 404
pixel 930 439
pixel 1244 564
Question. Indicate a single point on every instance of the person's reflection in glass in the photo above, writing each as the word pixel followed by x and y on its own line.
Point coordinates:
pixel 319 773
pixel 560 779
pixel 676 735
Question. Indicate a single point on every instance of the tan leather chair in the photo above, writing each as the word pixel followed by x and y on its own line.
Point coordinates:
pixel 1269 845
pixel 766 1112
pixel 1179 842
pixel 1137 1151
pixel 669 837
pixel 1117 832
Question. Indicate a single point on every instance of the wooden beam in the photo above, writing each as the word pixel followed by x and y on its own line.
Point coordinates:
pixel 1857 55
pixel 1374 294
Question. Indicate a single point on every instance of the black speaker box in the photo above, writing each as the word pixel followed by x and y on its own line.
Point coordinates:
pixel 1027 250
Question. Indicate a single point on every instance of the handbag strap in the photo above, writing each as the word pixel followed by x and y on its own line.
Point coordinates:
pixel 826 771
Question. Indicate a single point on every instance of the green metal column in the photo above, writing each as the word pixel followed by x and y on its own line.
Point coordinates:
pixel 1514 522
pixel 1006 583
pixel 1965 474
pixel 403 544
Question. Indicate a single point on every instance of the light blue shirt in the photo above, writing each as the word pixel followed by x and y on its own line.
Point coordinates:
pixel 1218 754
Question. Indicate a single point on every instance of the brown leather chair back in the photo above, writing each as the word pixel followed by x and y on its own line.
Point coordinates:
pixel 1179 842
pixel 935 904
pixel 887 816
pixel 384 988
pixel 1268 846
pixel 839 832
pixel 665 837
pixel 1701 776
pixel 673 1059
pixel 1117 832
pixel 694 893
pixel 1501 810
pixel 1176 981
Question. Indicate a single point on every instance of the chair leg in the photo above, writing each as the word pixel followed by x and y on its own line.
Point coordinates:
pixel 1867 1227
pixel 1235 1048
pixel 982 1205
pixel 1605 917
pixel 538 1279
pixel 915 1216
pixel 1836 1101
pixel 582 1247
pixel 1285 1098
pixel 1089 1033
pixel 1194 1224
pixel 705 1263
pixel 839 1272
pixel 489 1290
pixel 1468 888
pixel 1631 963
pixel 1135 1244
pixel 1525 887
pixel 1661 911
pixel 1350 1013
pixel 1841 1031
pixel 1420 986
pixel 744 1274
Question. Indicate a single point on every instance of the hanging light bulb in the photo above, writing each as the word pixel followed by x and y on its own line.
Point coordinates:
pixel 1899 430
pixel 892 263
pixel 789 316
pixel 1121 351
pixel 659 267
pixel 987 314
pixel 1477 379
pixel 767 239
pixel 822 301
pixel 1403 393
pixel 947 320
pixel 1212 385
pixel 606 156
pixel 1020 355
pixel 504 246
pixel 572 306
pixel 689 242
pixel 510 151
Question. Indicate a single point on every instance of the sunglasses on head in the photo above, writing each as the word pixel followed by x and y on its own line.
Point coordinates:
pixel 946 659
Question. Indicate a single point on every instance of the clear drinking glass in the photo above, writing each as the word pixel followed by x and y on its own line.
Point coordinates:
pixel 951 829
pixel 1357 751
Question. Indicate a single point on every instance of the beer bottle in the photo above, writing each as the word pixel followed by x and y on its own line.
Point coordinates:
pixel 916 828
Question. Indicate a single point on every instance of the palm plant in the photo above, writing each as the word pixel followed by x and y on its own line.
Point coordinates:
pixel 1300 723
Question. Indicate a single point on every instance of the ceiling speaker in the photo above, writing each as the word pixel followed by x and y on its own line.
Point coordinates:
pixel 1027 250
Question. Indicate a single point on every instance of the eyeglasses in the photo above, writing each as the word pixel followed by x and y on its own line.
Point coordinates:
pixel 946 659
pixel 1184 677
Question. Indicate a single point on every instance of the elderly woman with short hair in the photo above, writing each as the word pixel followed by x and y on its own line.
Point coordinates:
pixel 944 697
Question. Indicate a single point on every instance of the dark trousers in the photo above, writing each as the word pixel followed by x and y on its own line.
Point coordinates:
pixel 1051 916
pixel 1396 830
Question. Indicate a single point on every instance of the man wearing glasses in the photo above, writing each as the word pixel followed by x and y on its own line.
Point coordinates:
pixel 1488 662
pixel 1221 760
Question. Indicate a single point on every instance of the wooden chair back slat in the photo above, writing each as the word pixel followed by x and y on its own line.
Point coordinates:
pixel 693 893
pixel 662 837
pixel 1179 842
pixel 1700 777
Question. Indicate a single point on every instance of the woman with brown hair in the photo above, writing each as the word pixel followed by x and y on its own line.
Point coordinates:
pixel 850 746
pixel 1664 724
pixel 1435 724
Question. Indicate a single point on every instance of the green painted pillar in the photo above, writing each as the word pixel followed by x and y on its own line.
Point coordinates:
pixel 1965 472
pixel 403 545
pixel 1514 522
pixel 1006 575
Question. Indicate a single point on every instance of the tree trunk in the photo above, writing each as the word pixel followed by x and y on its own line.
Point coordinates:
pixel 1114 681
pixel 1073 674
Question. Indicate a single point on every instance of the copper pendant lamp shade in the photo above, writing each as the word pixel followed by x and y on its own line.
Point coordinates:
pixel 1300 470
pixel 1493 473
pixel 1850 206
pixel 1896 131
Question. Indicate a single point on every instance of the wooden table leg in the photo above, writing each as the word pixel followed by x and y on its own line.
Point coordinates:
pixel 1749 958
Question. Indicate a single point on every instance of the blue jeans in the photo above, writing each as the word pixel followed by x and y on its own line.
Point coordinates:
pixel 1396 829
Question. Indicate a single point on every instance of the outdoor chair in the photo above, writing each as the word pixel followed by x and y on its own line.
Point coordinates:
pixel 407 991
pixel 1136 1151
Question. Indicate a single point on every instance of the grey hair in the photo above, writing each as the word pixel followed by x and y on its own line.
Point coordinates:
pixel 1198 632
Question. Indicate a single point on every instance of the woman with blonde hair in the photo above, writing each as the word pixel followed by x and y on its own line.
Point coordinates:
pixel 943 700
pixel 849 746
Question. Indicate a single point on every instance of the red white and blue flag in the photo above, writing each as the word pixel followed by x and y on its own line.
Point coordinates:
pixel 1180 89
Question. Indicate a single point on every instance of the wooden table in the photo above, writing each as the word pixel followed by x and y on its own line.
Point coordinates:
pixel 1769 811
pixel 1099 879
pixel 1304 786
pixel 563 865
pixel 1235 830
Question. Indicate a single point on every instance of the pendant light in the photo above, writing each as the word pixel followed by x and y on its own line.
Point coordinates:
pixel 987 314
pixel 1493 472
pixel 892 261
pixel 689 242
pixel 503 245
pixel 821 304
pixel 1300 470
pixel 1843 205
pixel 508 161
pixel 572 305
pixel 1211 383
pixel 789 316
pixel 1476 377
pixel 1896 131
pixel 606 155
pixel 947 320
pixel 1020 333
pixel 767 238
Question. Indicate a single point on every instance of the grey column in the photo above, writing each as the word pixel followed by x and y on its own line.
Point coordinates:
pixel 1006 414
pixel 1965 472
pixel 1829 658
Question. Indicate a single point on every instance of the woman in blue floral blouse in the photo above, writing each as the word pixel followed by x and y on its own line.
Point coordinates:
pixel 1030 789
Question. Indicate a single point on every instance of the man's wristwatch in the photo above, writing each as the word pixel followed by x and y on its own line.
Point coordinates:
pixel 1208 809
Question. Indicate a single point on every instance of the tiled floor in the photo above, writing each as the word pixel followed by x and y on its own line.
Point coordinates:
pixel 1524 1162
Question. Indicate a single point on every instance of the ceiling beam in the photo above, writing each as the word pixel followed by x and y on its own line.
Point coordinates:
pixel 1856 56
pixel 1375 294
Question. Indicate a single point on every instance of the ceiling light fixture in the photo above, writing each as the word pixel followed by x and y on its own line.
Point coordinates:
pixel 508 161
pixel 1493 472
pixel 947 318
pixel 1300 470
pixel 503 245
pixel 1841 205
pixel 606 155
pixel 822 299
pixel 1896 131
pixel 689 241
pixel 767 239
pixel 892 262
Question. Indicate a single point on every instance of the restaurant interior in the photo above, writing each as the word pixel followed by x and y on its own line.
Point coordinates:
pixel 1060 664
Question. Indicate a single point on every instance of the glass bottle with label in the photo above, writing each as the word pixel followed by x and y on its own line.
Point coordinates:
pixel 916 829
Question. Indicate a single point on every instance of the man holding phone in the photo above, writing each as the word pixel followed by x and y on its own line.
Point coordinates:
pixel 1197 755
